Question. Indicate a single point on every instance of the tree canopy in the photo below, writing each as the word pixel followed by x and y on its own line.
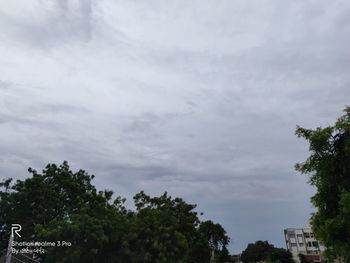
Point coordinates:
pixel 263 251
pixel 61 205
pixel 328 168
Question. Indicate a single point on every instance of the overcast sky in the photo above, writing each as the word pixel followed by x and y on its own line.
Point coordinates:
pixel 198 98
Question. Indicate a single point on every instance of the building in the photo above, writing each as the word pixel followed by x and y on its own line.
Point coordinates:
pixel 302 241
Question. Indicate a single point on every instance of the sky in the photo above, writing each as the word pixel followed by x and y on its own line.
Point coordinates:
pixel 197 98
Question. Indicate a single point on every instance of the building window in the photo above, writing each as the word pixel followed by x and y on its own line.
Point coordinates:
pixel 300 238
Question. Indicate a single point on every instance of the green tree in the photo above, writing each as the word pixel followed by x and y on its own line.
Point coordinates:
pixel 328 167
pixel 168 230
pixel 281 255
pixel 214 235
pixel 61 205
pixel 259 251
pixel 263 251
pixel 164 228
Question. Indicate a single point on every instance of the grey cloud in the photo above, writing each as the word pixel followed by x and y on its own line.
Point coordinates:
pixel 142 124
pixel 4 85
pixel 59 108
pixel 48 26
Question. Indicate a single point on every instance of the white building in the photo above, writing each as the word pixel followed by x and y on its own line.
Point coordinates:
pixel 302 241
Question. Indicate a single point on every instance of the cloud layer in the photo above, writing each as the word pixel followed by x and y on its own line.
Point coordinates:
pixel 197 98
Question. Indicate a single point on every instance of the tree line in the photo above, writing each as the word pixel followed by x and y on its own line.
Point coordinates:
pixel 61 205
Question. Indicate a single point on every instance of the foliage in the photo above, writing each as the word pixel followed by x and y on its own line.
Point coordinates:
pixel 214 235
pixel 281 255
pixel 170 231
pixel 60 205
pixel 263 251
pixel 328 168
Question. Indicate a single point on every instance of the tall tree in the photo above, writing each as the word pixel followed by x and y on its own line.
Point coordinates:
pixel 328 168
pixel 214 235
pixel 60 205
pixel 165 228
pixel 168 230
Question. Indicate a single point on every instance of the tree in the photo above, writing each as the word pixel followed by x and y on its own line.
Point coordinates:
pixel 281 255
pixel 165 228
pixel 259 251
pixel 263 251
pixel 328 168
pixel 210 244
pixel 61 205
pixel 168 230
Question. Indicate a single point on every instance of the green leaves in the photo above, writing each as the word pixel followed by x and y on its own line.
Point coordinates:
pixel 263 251
pixel 62 205
pixel 328 167
pixel 169 228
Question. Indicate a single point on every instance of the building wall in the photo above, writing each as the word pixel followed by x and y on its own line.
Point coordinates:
pixel 302 241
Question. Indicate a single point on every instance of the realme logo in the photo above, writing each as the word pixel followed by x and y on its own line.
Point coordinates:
pixel 15 229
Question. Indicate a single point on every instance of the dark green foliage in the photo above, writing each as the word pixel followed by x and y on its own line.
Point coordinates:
pixel 61 205
pixel 281 255
pixel 263 251
pixel 214 235
pixel 328 168
pixel 170 231
pixel 258 251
